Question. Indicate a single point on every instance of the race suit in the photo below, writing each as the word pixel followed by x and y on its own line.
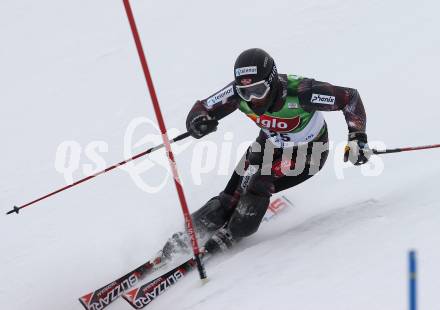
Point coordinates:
pixel 294 122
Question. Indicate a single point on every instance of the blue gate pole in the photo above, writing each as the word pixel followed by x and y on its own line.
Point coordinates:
pixel 412 280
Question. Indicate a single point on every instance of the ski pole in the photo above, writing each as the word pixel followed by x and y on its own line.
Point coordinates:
pixel 405 149
pixel 155 148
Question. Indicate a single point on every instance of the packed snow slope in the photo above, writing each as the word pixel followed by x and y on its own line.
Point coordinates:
pixel 69 72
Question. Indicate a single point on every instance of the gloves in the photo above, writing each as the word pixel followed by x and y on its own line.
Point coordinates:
pixel 201 124
pixel 357 150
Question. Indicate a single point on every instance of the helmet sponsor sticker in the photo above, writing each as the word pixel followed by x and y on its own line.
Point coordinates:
pixel 322 99
pixel 220 96
pixel 266 59
pixel 245 71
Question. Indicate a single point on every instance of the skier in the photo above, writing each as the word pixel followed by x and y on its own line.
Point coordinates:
pixel 287 110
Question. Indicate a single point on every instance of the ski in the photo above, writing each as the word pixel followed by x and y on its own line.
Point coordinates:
pixel 142 296
pixel 102 297
pixel 145 294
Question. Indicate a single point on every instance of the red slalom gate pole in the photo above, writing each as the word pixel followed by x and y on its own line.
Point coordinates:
pixel 160 120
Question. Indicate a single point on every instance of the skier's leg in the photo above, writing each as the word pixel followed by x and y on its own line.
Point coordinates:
pixel 252 206
pixel 208 219
pixel 253 191
pixel 247 216
pixel 214 214
pixel 218 210
pixel 254 201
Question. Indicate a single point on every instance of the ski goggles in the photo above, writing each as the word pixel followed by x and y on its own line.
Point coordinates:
pixel 257 90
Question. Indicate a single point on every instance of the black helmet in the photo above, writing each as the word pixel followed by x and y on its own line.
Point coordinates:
pixel 256 77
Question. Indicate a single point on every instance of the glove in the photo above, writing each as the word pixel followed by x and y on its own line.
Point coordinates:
pixel 201 124
pixel 357 149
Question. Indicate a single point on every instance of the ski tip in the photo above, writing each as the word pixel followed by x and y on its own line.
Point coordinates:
pixel 14 210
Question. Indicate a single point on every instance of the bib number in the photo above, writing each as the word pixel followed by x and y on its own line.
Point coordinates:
pixel 285 137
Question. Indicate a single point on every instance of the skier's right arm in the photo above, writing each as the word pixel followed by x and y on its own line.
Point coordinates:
pixel 203 118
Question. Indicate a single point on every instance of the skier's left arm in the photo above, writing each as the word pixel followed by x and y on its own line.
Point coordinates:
pixel 322 96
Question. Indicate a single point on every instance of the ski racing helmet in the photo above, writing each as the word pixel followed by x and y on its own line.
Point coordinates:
pixel 256 77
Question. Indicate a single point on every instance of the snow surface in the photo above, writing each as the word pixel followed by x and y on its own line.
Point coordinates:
pixel 69 71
